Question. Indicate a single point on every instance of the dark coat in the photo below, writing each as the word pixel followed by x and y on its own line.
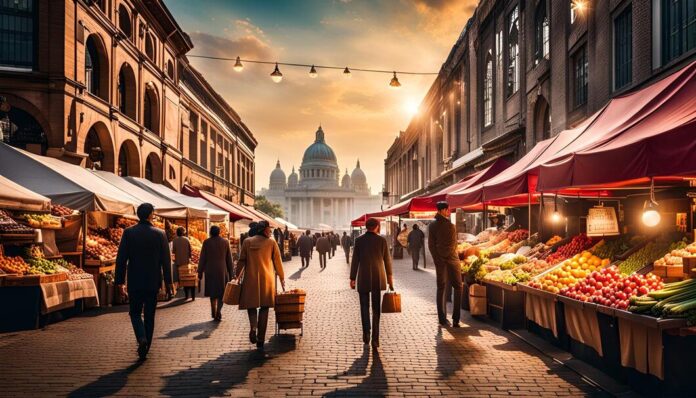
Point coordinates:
pixel 144 256
pixel 346 242
pixel 335 241
pixel 260 261
pixel 305 244
pixel 371 265
pixel 416 239
pixel 323 245
pixel 216 263
pixel 442 242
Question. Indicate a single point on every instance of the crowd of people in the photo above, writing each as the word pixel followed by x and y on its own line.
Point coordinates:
pixel 145 260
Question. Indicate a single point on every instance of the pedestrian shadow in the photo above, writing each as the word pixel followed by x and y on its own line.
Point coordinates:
pixel 359 366
pixel 205 328
pixel 173 303
pixel 216 377
pixel 107 385
pixel 297 275
pixel 448 362
pixel 374 385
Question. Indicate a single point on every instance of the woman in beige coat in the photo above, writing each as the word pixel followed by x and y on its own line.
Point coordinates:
pixel 259 261
pixel 216 263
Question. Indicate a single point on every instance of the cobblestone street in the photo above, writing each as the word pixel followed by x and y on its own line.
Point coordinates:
pixel 94 355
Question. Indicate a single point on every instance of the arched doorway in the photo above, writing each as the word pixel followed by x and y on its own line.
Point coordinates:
pixel 127 91
pixel 151 109
pixel 96 67
pixel 20 129
pixel 153 168
pixel 542 120
pixel 128 160
pixel 99 149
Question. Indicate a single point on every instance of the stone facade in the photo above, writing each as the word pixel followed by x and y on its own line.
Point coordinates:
pixel 106 84
pixel 487 103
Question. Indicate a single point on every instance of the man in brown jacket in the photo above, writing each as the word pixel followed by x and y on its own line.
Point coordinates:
pixel 442 242
pixel 181 247
pixel 323 247
pixel 373 268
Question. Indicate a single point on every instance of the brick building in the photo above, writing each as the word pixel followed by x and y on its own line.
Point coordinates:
pixel 522 71
pixel 106 84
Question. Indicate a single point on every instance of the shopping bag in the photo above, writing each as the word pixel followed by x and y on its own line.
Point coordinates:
pixel 233 292
pixel 391 302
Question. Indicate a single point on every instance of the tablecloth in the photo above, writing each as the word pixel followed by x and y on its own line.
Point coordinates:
pixel 61 295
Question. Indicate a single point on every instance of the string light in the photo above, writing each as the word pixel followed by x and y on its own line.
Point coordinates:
pixel 313 72
pixel 276 76
pixel 556 216
pixel 651 215
pixel 346 73
pixel 394 83
pixel 238 67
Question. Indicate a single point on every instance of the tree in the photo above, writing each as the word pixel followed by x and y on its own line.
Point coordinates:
pixel 271 208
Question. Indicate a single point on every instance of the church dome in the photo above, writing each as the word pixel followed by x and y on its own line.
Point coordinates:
pixel 319 151
pixel 358 178
pixel 345 181
pixel 319 166
pixel 293 178
pixel 278 180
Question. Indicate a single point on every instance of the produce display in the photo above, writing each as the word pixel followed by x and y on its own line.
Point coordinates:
pixel 74 273
pixel 576 245
pixel 510 276
pixel 534 267
pixel 647 255
pixel 528 242
pixel 33 251
pixel 10 226
pixel 500 247
pixel 60 211
pixel 122 222
pixel 473 268
pixel 99 248
pixel 13 265
pixel 223 228
pixel 506 261
pixel 554 239
pixel 673 300
pixel 115 234
pixel 610 288
pixel 41 266
pixel 677 252
pixel 518 235
pixel 40 220
pixel 612 248
pixel 569 272
pixel 540 250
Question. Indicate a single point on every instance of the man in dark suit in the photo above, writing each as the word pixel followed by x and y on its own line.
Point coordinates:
pixel 305 245
pixel 144 256
pixel 373 268
pixel 442 242
pixel 346 243
pixel 416 241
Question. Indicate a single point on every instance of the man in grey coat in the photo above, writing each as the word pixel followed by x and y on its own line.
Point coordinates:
pixel 305 244
pixel 372 266
pixel 442 242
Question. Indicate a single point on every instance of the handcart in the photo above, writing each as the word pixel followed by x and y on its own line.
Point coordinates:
pixel 289 310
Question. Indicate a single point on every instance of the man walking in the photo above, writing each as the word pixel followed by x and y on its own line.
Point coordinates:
pixel 323 247
pixel 305 246
pixel 335 241
pixel 372 267
pixel 442 242
pixel 346 243
pixel 416 243
pixel 181 247
pixel 144 256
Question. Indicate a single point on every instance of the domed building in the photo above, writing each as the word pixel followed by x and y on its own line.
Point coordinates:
pixel 314 196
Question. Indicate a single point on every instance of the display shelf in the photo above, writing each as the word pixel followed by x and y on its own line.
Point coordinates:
pixel 505 304
pixel 34 280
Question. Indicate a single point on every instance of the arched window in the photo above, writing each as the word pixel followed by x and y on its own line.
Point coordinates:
pixel 150 47
pixel 151 110
pixel 172 173
pixel 513 23
pixel 19 128
pixel 148 169
pixel 170 69
pixel 153 168
pixel 93 66
pixel 124 21
pixel 541 32
pixel 488 92
pixel 122 163
pixel 126 91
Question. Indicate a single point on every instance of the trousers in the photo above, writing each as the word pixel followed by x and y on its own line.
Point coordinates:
pixel 347 251
pixel 322 260
pixel 143 303
pixel 448 275
pixel 258 319
pixel 415 255
pixel 376 302
pixel 305 260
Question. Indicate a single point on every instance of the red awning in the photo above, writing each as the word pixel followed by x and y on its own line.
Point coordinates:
pixel 263 216
pixel 237 212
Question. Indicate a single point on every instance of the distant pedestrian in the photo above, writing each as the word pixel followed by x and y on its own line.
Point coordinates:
pixel 372 266
pixel 216 263
pixel 323 247
pixel 346 244
pixel 442 242
pixel 181 247
pixel 259 262
pixel 144 257
pixel 305 247
pixel 416 244
pixel 335 242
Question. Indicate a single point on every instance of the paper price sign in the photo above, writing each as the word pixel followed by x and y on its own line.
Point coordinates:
pixel 601 221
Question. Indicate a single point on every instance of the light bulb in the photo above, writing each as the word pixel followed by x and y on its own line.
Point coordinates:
pixel 346 73
pixel 579 5
pixel 556 217
pixel 651 216
pixel 313 72
pixel 238 67
pixel 276 76
pixel 394 83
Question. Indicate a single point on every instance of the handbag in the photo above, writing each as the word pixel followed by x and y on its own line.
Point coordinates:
pixel 233 293
pixel 391 302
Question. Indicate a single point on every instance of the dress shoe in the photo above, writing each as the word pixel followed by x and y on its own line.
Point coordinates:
pixel 455 324
pixel 444 322
pixel 252 336
pixel 366 337
pixel 142 350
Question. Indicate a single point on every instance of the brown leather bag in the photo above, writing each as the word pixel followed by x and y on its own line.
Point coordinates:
pixel 391 302
pixel 233 293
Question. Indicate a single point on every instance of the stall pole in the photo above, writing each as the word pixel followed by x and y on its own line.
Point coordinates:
pixel 485 216
pixel 541 213
pixel 84 237
pixel 187 226
pixel 529 212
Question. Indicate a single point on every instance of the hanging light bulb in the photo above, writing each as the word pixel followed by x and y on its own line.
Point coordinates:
pixel 238 67
pixel 313 72
pixel 276 76
pixel 651 216
pixel 556 216
pixel 394 83
pixel 346 73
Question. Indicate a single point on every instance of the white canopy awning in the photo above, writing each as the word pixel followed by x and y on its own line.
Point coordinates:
pixel 16 197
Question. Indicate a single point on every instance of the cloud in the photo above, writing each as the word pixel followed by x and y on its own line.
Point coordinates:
pixel 248 28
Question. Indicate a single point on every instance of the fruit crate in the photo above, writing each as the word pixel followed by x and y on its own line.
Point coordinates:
pixel 289 317
pixel 34 280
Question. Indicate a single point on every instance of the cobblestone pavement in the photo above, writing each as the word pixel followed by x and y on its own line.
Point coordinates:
pixel 94 355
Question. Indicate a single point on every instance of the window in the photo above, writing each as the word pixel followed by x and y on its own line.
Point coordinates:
pixel 580 77
pixel 92 66
pixel 204 148
pixel 150 47
pixel 193 137
pixel 151 110
pixel 623 53
pixel 17 34
pixel 170 69
pixel 541 33
pixel 499 48
pixel 126 91
pixel 513 52
pixel 678 28
pixel 488 93
pixel 124 22
pixel 172 173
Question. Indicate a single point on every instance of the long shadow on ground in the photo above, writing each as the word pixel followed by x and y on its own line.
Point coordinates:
pixel 374 385
pixel 205 328
pixel 216 377
pixel 106 385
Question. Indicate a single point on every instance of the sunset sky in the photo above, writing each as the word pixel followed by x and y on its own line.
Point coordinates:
pixel 361 116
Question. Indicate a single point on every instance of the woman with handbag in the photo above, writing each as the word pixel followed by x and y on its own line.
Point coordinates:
pixel 216 263
pixel 259 262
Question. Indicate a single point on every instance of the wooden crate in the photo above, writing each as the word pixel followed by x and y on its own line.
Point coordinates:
pixel 188 282
pixel 34 280
pixel 294 298
pixel 285 318
pixel 289 308
pixel 289 325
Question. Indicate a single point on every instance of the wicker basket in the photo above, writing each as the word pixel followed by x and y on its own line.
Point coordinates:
pixel 289 308
pixel 290 298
